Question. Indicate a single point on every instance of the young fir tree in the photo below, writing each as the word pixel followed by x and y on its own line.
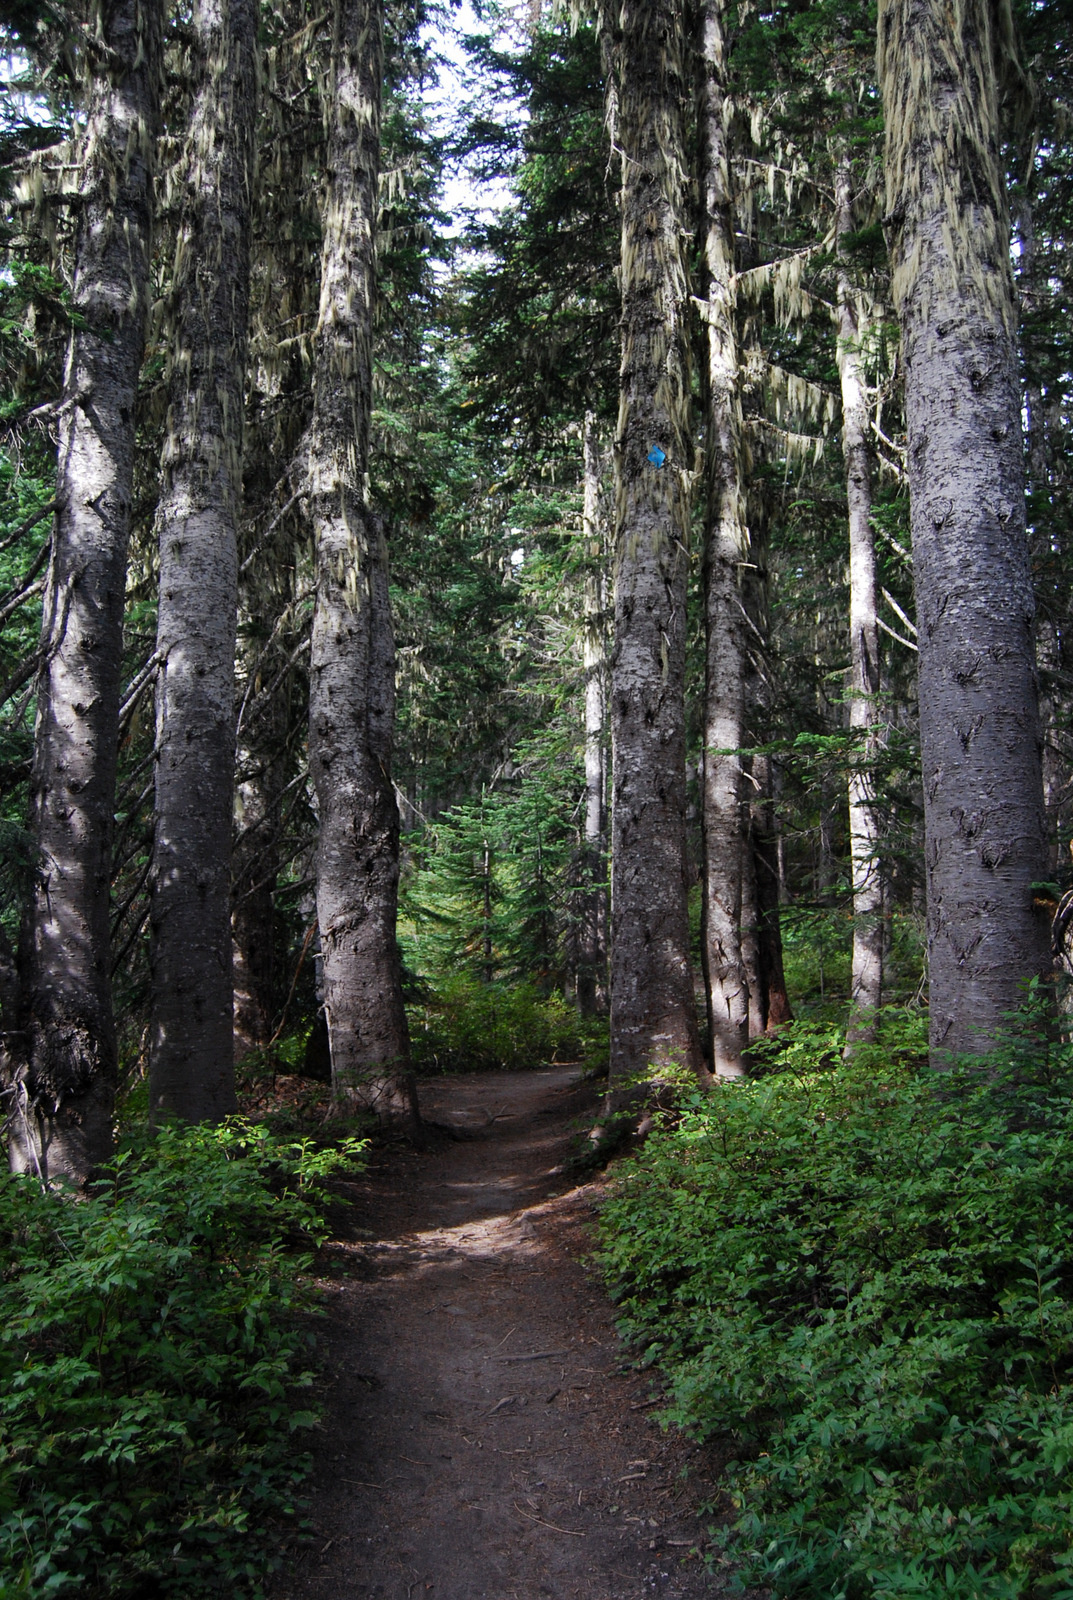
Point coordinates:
pixel 66 1123
pixel 352 672
pixel 940 69
pixel 191 1050
pixel 653 1013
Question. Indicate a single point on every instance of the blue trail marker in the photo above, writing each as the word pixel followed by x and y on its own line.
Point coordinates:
pixel 656 456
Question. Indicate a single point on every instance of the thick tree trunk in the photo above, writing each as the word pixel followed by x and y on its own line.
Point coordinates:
pixel 592 962
pixel 866 979
pixel 949 236
pixel 352 665
pixel 726 543
pixel 653 1013
pixel 70 1075
pixel 191 1051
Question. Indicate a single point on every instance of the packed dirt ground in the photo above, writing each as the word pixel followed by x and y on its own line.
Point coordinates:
pixel 485 1434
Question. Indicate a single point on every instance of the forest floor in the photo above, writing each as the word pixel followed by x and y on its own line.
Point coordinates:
pixel 485 1436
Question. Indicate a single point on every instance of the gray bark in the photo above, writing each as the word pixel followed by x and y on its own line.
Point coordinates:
pixel 352 664
pixel 1050 622
pixel 866 976
pixel 653 1013
pixel 726 543
pixel 70 1072
pixel 592 954
pixel 772 1007
pixel 191 1051
pixel 253 917
pixel 949 237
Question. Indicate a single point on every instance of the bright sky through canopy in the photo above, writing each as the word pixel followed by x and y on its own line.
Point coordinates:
pixel 464 194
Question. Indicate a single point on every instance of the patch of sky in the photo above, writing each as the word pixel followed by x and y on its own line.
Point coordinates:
pixel 19 101
pixel 460 89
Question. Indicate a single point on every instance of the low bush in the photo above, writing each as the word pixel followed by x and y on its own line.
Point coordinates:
pixel 464 1025
pixel 861 1278
pixel 152 1355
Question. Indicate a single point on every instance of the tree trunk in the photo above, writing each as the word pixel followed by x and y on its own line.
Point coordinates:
pixel 725 550
pixel 751 957
pixel 191 1049
pixel 1046 551
pixel 352 663
pixel 774 1008
pixel 255 860
pixel 949 236
pixel 866 979
pixel 653 1013
pixel 71 1068
pixel 592 965
pixel 486 912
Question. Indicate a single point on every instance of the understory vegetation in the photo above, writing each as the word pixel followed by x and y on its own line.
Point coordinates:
pixel 857 1279
pixel 464 1025
pixel 155 1361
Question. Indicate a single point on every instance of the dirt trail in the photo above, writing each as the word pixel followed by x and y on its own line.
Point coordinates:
pixel 485 1438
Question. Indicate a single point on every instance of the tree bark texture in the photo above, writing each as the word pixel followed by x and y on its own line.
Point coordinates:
pixel 866 973
pixel 68 1090
pixel 592 952
pixel 191 1051
pixel 726 541
pixel 772 1008
pixel 352 684
pixel 949 237
pixel 653 1013
pixel 1045 553
pixel 255 864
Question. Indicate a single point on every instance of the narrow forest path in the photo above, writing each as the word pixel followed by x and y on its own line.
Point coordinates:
pixel 484 1435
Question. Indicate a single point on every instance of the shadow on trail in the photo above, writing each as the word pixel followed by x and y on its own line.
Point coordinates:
pixel 484 1435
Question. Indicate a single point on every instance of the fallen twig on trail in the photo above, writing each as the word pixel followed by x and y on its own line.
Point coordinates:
pixel 538 1355
pixel 573 1532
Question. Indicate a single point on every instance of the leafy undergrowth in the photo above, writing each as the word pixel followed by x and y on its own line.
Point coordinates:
pixel 153 1355
pixel 463 1025
pixel 862 1278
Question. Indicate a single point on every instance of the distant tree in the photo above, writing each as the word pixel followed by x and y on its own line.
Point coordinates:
pixel 592 940
pixel 865 830
pixel 726 555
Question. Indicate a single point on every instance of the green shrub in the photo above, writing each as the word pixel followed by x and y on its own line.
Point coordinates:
pixel 151 1351
pixel 464 1025
pixel 863 1277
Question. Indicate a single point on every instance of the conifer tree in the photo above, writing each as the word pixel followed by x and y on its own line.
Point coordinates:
pixel 352 676
pixel 866 981
pixel 940 70
pixel 66 1125
pixel 726 541
pixel 653 1013
pixel 592 941
pixel 191 1051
